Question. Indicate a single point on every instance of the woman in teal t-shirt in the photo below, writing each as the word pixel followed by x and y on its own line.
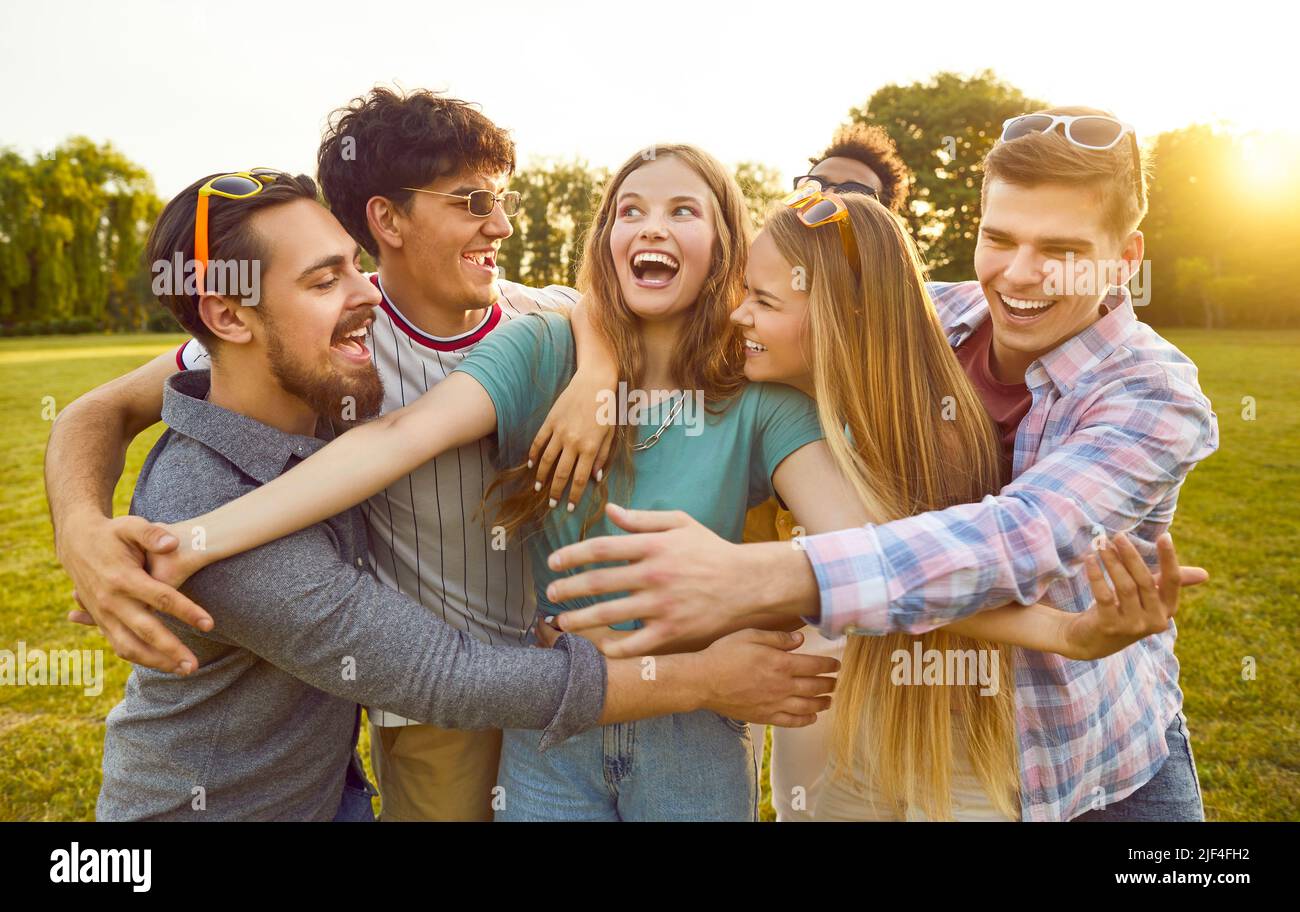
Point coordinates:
pixel 690 766
pixel 713 465
pixel 661 276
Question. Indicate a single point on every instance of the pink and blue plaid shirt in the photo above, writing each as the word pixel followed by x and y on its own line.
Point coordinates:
pixel 1117 422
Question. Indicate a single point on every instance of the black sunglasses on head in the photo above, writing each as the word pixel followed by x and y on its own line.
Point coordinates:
pixel 845 187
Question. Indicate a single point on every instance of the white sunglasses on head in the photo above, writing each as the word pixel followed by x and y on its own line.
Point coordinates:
pixel 1088 131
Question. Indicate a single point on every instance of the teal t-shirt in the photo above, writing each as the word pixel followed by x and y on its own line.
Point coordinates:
pixel 713 466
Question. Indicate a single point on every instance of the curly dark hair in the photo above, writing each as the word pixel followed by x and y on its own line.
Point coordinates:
pixel 871 145
pixel 386 140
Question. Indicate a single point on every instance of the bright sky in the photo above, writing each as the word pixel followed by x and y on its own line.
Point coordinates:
pixel 190 88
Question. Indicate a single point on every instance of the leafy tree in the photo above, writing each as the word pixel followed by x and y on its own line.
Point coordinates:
pixel 72 228
pixel 19 204
pixel 559 201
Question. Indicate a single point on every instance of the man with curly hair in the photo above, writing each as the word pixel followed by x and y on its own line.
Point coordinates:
pixel 863 159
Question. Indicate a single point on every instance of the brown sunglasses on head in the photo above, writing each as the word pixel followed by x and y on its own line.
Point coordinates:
pixel 816 208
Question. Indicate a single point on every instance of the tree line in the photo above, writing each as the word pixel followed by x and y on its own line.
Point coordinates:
pixel 73 225
pixel 1221 233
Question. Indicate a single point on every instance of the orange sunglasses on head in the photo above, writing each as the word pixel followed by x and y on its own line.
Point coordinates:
pixel 236 185
pixel 815 208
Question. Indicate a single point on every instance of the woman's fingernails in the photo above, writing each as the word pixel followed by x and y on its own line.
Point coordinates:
pixel 550 619
pixel 530 463
pixel 185 667
pixel 538 487
pixel 600 473
pixel 553 502
pixel 570 507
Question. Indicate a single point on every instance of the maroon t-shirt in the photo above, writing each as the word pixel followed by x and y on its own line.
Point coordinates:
pixel 1006 403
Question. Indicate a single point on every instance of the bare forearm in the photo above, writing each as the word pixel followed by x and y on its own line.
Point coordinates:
pixel 591 350
pixel 357 465
pixel 86 452
pixel 652 686
pixel 781 583
pixel 84 458
pixel 822 500
pixel 769 621
pixel 1038 626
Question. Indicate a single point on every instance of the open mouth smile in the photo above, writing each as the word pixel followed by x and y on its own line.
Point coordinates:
pixel 753 348
pixel 654 268
pixel 1025 310
pixel 352 344
pixel 484 261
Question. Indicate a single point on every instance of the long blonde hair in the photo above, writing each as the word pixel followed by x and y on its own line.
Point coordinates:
pixel 884 370
pixel 709 354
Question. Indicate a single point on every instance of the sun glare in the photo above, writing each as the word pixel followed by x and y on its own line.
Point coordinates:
pixel 1270 163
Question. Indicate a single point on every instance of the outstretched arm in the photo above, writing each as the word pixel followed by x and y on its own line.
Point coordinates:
pixel 675 565
pixel 1132 449
pixel 822 500
pixel 358 464
pixel 104 557
pixel 1117 470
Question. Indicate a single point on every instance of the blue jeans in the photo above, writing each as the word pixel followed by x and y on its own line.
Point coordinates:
pixel 354 805
pixel 688 766
pixel 1174 793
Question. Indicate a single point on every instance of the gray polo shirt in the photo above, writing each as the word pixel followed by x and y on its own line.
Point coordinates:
pixel 266 727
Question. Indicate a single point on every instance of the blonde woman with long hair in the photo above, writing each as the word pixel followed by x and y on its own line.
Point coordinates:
pixel 844 315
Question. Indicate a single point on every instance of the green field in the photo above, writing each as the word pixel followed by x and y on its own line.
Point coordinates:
pixel 1238 517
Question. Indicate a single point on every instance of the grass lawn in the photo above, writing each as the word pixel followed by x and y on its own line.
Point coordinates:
pixel 1238 517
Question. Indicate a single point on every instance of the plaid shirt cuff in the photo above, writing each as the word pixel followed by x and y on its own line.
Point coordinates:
pixel 851 582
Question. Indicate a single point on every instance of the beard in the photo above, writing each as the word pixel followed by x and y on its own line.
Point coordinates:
pixel 345 400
